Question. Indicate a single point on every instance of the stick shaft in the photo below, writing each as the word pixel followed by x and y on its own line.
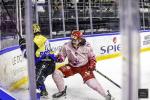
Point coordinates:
pixel 107 78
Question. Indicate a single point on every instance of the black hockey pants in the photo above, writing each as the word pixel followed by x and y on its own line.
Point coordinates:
pixel 43 69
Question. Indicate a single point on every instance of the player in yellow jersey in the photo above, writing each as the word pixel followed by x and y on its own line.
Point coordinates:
pixel 44 60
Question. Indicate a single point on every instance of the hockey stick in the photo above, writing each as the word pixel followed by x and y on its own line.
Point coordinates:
pixel 11 18
pixel 108 78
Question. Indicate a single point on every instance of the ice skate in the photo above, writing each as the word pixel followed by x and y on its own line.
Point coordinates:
pixel 44 94
pixel 109 96
pixel 60 94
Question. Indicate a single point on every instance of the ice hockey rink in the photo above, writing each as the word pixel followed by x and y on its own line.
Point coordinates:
pixel 77 90
pixel 99 20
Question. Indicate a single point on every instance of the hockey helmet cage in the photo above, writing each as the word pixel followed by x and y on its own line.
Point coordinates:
pixel 36 28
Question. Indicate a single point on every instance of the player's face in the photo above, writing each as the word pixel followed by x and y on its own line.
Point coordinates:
pixel 75 41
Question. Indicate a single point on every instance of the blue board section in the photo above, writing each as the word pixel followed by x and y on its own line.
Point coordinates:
pixel 8 49
pixel 66 38
pixel 5 96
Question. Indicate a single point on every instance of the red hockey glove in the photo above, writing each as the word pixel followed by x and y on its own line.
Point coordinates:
pixel 92 65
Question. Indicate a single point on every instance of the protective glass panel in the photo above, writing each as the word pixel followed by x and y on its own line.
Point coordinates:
pixel 105 42
pixel 14 69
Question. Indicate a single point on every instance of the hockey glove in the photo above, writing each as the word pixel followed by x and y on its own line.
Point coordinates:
pixel 59 58
pixel 92 65
pixel 22 44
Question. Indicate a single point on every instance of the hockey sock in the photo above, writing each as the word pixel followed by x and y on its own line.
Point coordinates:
pixel 95 85
pixel 58 79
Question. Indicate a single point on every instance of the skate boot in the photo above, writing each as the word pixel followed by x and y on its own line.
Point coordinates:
pixel 44 93
pixel 42 88
pixel 109 96
pixel 60 94
pixel 38 94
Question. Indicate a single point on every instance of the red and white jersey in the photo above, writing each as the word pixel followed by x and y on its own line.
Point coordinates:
pixel 77 57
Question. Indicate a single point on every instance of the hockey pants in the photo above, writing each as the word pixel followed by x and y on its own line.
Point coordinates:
pixel 43 69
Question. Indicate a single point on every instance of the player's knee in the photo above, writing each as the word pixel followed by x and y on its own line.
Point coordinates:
pixel 93 87
pixel 57 73
pixel 92 84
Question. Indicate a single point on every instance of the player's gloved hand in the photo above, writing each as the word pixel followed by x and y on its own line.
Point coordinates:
pixel 22 43
pixel 59 58
pixel 92 65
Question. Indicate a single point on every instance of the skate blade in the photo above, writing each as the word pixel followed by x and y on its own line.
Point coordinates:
pixel 62 98
pixel 113 98
pixel 45 97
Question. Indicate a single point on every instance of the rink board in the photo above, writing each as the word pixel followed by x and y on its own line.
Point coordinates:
pixel 13 72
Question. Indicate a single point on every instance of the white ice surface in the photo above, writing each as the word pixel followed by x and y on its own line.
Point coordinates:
pixel 77 90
